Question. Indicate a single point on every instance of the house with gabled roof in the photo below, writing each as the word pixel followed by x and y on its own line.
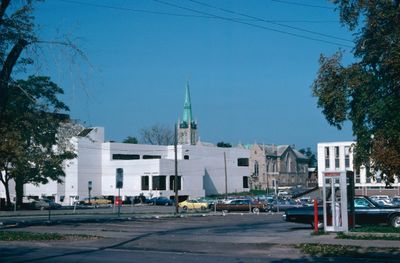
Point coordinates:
pixel 273 166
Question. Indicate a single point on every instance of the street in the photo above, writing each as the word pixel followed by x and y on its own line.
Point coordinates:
pixel 212 238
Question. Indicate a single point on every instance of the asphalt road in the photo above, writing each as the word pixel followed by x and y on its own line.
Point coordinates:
pixel 231 238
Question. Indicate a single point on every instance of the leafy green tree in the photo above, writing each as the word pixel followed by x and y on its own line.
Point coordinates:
pixel 312 159
pixel 30 112
pixel 224 145
pixel 32 149
pixel 131 140
pixel 367 91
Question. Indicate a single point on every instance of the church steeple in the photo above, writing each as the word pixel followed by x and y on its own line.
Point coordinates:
pixel 187 127
pixel 187 107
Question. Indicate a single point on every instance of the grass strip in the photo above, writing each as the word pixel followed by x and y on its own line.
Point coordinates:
pixel 328 250
pixel 368 236
pixel 376 229
pixel 29 236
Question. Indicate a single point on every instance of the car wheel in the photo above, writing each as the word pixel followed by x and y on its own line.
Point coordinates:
pixel 203 208
pixel 256 210
pixel 185 208
pixel 395 221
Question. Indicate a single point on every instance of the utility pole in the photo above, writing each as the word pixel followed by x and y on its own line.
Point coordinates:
pixel 176 170
pixel 89 189
pixel 226 178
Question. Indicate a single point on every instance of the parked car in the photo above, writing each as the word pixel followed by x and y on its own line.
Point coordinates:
pixel 367 212
pixel 96 200
pixel 396 200
pixel 382 200
pixel 240 205
pixel 159 201
pixel 139 199
pixel 193 204
pixel 44 204
pixel 283 205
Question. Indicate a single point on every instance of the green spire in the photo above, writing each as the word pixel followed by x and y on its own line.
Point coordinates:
pixel 187 107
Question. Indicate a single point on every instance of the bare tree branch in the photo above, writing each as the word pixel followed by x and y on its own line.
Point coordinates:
pixel 3 8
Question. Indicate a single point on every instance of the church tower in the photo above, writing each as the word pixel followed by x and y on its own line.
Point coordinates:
pixel 187 128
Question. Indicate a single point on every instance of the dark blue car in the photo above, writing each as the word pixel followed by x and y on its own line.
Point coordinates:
pixel 159 201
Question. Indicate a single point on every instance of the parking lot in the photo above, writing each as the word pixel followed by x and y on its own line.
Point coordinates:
pixel 232 237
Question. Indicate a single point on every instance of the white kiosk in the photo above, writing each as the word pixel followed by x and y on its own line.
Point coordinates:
pixel 335 202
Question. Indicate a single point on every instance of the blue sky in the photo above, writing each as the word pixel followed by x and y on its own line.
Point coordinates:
pixel 248 83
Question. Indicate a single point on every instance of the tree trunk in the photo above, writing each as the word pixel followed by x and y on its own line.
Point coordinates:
pixel 5 180
pixel 19 189
pixel 7 189
pixel 8 67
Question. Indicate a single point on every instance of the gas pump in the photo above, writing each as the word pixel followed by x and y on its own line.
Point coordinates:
pixel 335 202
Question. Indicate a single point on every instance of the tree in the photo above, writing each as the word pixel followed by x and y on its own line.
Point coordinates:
pixel 367 91
pixel 312 159
pixel 16 34
pixel 157 135
pixel 224 145
pixel 32 148
pixel 131 140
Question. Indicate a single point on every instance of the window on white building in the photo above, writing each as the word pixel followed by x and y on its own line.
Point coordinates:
pixel 347 156
pixel 151 157
pixel 245 182
pixel 327 165
pixel 125 156
pixel 172 183
pixel 159 182
pixel 145 182
pixel 358 178
pixel 337 162
pixel 243 162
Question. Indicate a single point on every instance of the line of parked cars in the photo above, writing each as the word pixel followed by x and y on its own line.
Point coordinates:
pixel 43 204
pixel 367 212
pixel 385 200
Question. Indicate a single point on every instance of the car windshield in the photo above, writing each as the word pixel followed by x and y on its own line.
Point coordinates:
pixel 364 203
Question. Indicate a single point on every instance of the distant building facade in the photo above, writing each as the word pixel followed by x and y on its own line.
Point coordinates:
pixel 339 156
pixel 274 166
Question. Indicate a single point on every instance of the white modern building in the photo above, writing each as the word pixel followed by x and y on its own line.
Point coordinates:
pixel 203 169
pixel 150 169
pixel 147 170
pixel 338 157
